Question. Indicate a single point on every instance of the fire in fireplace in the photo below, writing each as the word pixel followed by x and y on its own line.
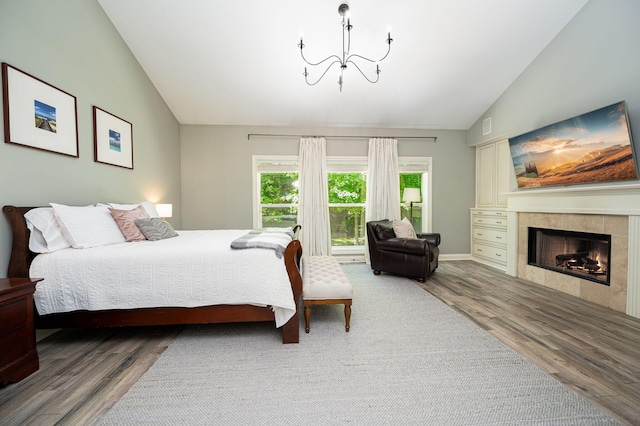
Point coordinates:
pixel 581 254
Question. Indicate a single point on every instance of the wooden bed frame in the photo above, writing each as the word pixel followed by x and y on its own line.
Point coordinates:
pixel 21 258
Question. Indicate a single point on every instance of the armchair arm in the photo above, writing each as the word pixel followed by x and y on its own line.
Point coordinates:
pixel 405 245
pixel 432 238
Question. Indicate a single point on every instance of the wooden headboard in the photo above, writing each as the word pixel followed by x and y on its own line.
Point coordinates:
pixel 21 256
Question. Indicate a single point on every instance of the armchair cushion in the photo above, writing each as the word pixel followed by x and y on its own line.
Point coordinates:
pixel 384 232
pixel 405 245
pixel 403 228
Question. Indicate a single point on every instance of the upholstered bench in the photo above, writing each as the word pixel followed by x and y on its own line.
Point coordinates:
pixel 324 283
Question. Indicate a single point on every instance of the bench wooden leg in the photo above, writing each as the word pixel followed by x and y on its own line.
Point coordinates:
pixel 307 318
pixel 347 316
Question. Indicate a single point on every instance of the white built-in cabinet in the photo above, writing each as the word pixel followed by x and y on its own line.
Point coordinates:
pixel 489 237
pixel 489 217
pixel 493 171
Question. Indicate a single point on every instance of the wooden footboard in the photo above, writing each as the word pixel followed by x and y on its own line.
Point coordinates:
pixel 21 258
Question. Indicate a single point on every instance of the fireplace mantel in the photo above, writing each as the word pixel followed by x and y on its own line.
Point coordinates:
pixel 612 199
pixel 609 199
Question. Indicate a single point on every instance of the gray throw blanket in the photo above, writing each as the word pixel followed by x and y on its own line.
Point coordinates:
pixel 268 238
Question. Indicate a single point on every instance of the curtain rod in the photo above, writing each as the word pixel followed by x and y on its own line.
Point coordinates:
pixel 275 135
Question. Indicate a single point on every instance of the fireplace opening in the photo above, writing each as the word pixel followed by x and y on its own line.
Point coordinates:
pixel 581 254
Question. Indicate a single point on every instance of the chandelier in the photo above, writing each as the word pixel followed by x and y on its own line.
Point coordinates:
pixel 347 56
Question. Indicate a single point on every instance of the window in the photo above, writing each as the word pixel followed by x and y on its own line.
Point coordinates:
pixel 347 182
pixel 276 195
pixel 276 181
pixel 414 173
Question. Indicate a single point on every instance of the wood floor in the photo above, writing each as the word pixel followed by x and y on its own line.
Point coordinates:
pixel 82 374
pixel 591 349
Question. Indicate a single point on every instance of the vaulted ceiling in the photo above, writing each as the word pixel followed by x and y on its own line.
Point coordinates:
pixel 238 62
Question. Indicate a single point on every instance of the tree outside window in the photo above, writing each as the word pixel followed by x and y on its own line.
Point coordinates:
pixel 347 198
pixel 412 180
pixel 279 199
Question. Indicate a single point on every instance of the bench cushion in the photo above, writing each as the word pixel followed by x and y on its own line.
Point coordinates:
pixel 323 278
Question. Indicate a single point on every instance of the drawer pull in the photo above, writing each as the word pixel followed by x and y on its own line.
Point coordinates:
pixel 479 249
pixel 498 238
pixel 498 255
pixel 480 234
pixel 479 220
pixel 499 222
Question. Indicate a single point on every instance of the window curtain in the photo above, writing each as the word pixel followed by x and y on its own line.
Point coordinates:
pixel 313 202
pixel 383 182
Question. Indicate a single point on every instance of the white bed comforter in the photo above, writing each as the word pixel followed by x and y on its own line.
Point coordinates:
pixel 197 268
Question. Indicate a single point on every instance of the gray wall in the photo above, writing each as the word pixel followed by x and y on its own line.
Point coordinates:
pixel 593 62
pixel 217 173
pixel 71 44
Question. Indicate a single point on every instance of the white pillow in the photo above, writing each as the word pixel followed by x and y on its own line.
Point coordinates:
pixel 89 226
pixel 148 206
pixel 403 228
pixel 46 235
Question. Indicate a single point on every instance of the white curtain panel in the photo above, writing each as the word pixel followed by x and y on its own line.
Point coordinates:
pixel 313 202
pixel 383 182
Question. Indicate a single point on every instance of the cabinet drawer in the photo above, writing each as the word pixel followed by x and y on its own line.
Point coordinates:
pixel 490 235
pixel 490 220
pixel 14 345
pixel 13 314
pixel 497 255
pixel 496 213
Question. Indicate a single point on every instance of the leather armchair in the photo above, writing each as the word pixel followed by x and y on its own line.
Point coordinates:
pixel 413 258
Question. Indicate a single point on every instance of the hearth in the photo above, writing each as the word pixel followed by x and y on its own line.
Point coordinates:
pixel 581 254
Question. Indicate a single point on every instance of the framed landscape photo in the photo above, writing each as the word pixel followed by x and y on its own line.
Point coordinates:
pixel 112 139
pixel 37 114
pixel 591 148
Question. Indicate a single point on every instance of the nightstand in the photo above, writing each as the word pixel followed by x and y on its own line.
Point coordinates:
pixel 18 356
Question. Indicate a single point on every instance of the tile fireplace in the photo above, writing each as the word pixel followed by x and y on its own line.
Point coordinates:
pixel 605 209
pixel 581 254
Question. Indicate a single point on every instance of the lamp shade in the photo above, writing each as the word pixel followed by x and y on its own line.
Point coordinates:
pixel 411 195
pixel 164 210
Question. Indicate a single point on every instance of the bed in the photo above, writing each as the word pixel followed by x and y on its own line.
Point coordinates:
pixel 170 307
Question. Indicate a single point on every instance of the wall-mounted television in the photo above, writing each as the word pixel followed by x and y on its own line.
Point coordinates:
pixel 591 148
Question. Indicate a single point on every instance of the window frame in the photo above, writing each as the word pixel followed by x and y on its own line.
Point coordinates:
pixel 348 164
pixel 286 163
pixel 289 163
pixel 422 165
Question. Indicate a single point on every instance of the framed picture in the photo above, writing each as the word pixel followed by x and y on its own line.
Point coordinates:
pixel 112 139
pixel 37 114
pixel 591 148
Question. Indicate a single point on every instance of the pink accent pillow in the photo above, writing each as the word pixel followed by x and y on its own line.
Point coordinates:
pixel 125 220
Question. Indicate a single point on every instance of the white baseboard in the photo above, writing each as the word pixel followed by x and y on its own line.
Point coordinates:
pixel 349 258
pixel 358 258
pixel 460 256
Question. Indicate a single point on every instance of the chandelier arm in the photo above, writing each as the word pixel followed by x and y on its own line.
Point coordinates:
pixel 324 60
pixel 388 51
pixel 364 75
pixel 325 71
pixel 355 55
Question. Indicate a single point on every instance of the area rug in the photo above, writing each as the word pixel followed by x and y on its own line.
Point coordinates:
pixel 408 359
